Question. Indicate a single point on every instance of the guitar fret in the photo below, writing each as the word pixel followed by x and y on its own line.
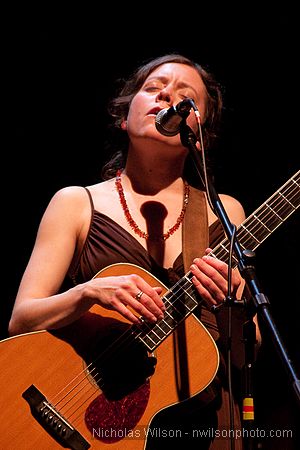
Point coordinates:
pixel 186 276
pixel 163 323
pixel 284 202
pixel 220 253
pixel 175 316
pixel 283 207
pixel 159 331
pixel 147 341
pixel 226 249
pixel 274 222
pixel 169 294
pixel 194 302
pixel 293 192
pixel 248 231
pixel 246 239
pixel 148 334
pixel 269 231
pixel 294 181
pixel 187 300
pixel 259 228
pixel 280 193
pixel 269 221
pixel 273 211
pixel 154 336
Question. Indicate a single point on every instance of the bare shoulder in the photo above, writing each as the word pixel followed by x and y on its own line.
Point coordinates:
pixel 76 196
pixel 69 203
pixel 234 208
pixel 73 194
pixel 73 202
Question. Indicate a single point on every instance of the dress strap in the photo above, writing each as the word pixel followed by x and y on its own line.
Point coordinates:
pixel 72 272
pixel 91 200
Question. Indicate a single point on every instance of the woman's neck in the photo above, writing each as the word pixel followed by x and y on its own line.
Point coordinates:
pixel 149 174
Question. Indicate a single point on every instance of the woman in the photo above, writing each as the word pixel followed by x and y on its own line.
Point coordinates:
pixel 135 216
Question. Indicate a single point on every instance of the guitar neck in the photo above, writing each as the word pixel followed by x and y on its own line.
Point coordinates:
pixel 266 219
pixel 182 298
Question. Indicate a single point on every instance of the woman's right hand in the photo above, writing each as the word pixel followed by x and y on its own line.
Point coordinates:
pixel 128 294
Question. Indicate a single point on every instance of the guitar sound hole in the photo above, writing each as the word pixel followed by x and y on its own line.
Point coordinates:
pixel 115 359
pixel 124 365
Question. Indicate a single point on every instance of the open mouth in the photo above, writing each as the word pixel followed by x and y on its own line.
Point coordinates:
pixel 154 111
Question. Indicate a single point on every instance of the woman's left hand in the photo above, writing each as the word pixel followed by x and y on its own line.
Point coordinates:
pixel 210 279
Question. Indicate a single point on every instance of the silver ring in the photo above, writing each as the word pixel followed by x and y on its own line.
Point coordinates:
pixel 138 295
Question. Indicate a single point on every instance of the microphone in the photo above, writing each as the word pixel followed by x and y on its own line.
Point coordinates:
pixel 168 120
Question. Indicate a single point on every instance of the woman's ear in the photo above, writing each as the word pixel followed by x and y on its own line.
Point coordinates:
pixel 124 125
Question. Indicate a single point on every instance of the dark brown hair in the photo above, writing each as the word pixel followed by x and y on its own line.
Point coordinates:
pixel 119 106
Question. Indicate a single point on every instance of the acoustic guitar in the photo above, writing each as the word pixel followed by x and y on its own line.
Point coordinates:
pixel 100 382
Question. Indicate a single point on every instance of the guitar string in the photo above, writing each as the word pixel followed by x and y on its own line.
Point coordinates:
pixel 90 373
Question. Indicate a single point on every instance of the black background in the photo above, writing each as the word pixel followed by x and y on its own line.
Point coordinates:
pixel 59 71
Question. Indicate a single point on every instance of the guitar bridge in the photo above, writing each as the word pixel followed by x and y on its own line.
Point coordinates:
pixel 47 416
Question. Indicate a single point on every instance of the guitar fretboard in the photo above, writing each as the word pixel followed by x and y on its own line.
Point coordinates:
pixel 182 299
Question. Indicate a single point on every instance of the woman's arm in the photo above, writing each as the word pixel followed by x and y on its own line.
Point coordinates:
pixel 38 304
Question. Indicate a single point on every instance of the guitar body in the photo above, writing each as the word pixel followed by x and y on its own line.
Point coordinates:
pixel 57 364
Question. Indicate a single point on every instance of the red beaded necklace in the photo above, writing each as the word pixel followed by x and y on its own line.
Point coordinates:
pixel 134 225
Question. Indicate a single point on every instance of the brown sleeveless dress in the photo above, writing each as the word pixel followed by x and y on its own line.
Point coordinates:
pixel 108 243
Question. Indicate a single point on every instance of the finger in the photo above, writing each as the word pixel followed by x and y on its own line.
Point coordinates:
pixel 213 272
pixel 222 268
pixel 146 304
pixel 124 311
pixel 151 298
pixel 143 307
pixel 208 281
pixel 219 265
pixel 134 284
pixel 203 292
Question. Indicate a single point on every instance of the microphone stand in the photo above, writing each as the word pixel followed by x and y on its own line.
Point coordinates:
pixel 259 301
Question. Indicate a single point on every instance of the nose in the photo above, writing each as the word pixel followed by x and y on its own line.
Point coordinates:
pixel 166 96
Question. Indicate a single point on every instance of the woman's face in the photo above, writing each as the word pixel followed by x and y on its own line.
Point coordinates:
pixel 166 86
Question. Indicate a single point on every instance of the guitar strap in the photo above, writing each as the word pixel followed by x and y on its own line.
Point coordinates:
pixel 195 239
pixel 195 230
